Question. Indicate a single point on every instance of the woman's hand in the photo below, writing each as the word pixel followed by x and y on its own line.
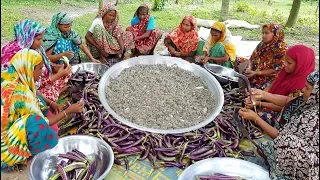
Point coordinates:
pixel 64 71
pixel 178 54
pixel 103 53
pixel 205 59
pixel 55 107
pixel 251 74
pixel 248 114
pixel 68 54
pixel 95 60
pixel 205 53
pixel 75 108
pixel 171 50
pixel 248 104
pixel 56 67
pixel 258 94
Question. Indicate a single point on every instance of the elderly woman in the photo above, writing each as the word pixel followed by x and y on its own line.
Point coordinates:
pixel 25 130
pixel 105 36
pixel 293 149
pixel 60 40
pixel 266 60
pixel 218 49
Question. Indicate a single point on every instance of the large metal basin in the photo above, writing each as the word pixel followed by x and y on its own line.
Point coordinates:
pixel 43 164
pixel 211 81
pixel 227 166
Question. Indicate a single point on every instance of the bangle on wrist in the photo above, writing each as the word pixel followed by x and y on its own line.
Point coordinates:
pixel 260 105
pixel 65 114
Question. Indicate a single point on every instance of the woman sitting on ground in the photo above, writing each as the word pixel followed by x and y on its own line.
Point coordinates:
pixel 106 38
pixel 143 28
pixel 183 40
pixel 218 49
pixel 60 40
pixel 293 147
pixel 29 34
pixel 266 60
pixel 298 63
pixel 25 130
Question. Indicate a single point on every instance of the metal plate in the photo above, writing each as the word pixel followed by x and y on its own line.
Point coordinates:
pixel 116 69
pixel 227 166
pixel 222 72
pixel 43 164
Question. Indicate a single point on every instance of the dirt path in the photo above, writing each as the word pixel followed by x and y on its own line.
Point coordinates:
pixel 44 16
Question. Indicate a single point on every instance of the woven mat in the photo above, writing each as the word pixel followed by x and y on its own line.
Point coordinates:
pixel 140 170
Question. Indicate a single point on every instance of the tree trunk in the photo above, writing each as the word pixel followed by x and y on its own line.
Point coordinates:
pixel 177 1
pixel 269 2
pixel 61 1
pixel 100 4
pixel 293 13
pixel 317 8
pixel 224 13
pixel 117 2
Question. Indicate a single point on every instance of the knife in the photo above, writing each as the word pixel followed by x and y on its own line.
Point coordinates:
pixel 245 134
pixel 236 118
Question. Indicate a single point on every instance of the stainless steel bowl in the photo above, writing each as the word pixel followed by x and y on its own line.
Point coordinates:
pixel 97 68
pixel 116 69
pixel 43 164
pixel 223 74
pixel 227 166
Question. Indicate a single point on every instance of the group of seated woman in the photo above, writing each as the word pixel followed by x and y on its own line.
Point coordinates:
pixel 30 86
pixel 286 88
pixel 106 38
pixel 34 74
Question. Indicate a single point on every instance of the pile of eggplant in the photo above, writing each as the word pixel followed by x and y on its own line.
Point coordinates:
pixel 77 167
pixel 220 138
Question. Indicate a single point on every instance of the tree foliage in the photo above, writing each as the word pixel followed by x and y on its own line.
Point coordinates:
pixel 158 5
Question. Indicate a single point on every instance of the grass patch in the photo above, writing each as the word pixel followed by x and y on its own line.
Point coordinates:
pixel 253 11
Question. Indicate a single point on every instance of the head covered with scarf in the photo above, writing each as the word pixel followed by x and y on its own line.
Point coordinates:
pixel 297 145
pixel 185 41
pixel 52 34
pixel 286 83
pixel 25 32
pixel 272 52
pixel 224 39
pixel 114 26
pixel 18 103
pixel 141 27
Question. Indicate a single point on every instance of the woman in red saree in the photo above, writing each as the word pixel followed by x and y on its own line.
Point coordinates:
pixel 183 40
pixel 146 35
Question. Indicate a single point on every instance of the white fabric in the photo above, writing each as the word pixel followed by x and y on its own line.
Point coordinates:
pixel 231 23
pixel 97 21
